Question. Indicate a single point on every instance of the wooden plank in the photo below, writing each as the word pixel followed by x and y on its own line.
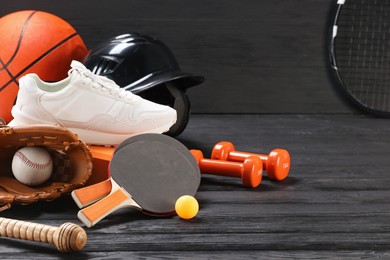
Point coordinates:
pixel 239 255
pixel 333 205
pixel 220 242
pixel 234 242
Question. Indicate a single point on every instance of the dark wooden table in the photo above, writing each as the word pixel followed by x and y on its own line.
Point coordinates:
pixel 334 204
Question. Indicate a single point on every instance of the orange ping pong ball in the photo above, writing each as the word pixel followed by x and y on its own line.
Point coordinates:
pixel 186 207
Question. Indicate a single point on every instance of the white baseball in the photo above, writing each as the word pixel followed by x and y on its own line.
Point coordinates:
pixel 32 165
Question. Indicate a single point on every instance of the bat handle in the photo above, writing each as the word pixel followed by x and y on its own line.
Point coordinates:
pixel 68 237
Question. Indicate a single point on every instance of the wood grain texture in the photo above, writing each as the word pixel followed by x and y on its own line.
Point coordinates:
pixel 257 56
pixel 333 205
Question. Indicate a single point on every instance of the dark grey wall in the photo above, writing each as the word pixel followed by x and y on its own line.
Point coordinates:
pixel 258 56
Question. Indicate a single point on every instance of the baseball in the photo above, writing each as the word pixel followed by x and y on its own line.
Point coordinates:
pixel 32 165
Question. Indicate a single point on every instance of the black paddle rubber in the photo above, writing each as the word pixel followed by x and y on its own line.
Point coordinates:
pixel 155 170
pixel 164 139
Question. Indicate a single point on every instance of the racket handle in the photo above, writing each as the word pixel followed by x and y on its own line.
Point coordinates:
pixel 114 201
pixel 68 237
pixel 87 195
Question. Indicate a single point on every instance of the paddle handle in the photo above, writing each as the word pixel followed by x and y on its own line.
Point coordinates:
pixel 68 237
pixel 117 199
pixel 88 195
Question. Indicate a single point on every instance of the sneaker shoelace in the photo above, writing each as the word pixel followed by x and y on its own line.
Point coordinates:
pixel 104 85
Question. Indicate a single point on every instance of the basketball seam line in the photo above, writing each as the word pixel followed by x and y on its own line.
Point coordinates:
pixel 39 58
pixel 19 41
pixel 9 73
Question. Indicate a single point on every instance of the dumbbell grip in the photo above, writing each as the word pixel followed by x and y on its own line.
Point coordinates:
pixel 223 168
pixel 241 156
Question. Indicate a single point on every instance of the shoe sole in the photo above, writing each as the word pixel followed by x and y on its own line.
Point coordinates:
pixel 107 139
pixel 94 137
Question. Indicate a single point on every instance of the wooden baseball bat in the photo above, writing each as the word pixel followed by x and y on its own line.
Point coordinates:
pixel 68 237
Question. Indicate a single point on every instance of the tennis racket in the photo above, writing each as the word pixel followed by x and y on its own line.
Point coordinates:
pixel 360 53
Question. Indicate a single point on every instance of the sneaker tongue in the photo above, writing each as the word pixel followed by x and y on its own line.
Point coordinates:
pixel 77 65
pixel 105 82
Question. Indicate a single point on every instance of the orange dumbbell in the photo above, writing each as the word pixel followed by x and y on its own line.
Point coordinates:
pixel 250 170
pixel 277 163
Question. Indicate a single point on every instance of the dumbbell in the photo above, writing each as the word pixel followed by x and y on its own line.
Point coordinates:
pixel 250 170
pixel 276 163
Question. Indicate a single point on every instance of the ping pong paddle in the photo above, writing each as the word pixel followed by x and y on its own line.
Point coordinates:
pixel 88 195
pixel 149 174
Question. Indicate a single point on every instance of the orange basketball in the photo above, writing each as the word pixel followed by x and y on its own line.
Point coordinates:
pixel 34 42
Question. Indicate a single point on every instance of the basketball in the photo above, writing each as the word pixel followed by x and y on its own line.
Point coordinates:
pixel 34 42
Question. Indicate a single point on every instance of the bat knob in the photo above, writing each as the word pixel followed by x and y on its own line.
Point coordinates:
pixel 70 237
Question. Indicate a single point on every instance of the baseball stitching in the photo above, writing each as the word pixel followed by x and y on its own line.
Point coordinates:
pixel 37 166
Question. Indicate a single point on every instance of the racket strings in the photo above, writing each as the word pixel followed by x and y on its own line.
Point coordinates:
pixel 362 51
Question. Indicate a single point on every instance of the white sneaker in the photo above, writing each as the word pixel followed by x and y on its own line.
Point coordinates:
pixel 92 106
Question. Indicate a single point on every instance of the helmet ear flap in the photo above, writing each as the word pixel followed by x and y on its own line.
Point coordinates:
pixel 183 109
pixel 171 95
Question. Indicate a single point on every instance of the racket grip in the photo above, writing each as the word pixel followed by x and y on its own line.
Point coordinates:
pixel 88 195
pixel 68 237
pixel 96 212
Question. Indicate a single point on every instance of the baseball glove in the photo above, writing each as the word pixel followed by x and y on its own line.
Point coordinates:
pixel 72 163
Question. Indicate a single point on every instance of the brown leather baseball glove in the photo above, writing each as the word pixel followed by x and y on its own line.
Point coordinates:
pixel 72 163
